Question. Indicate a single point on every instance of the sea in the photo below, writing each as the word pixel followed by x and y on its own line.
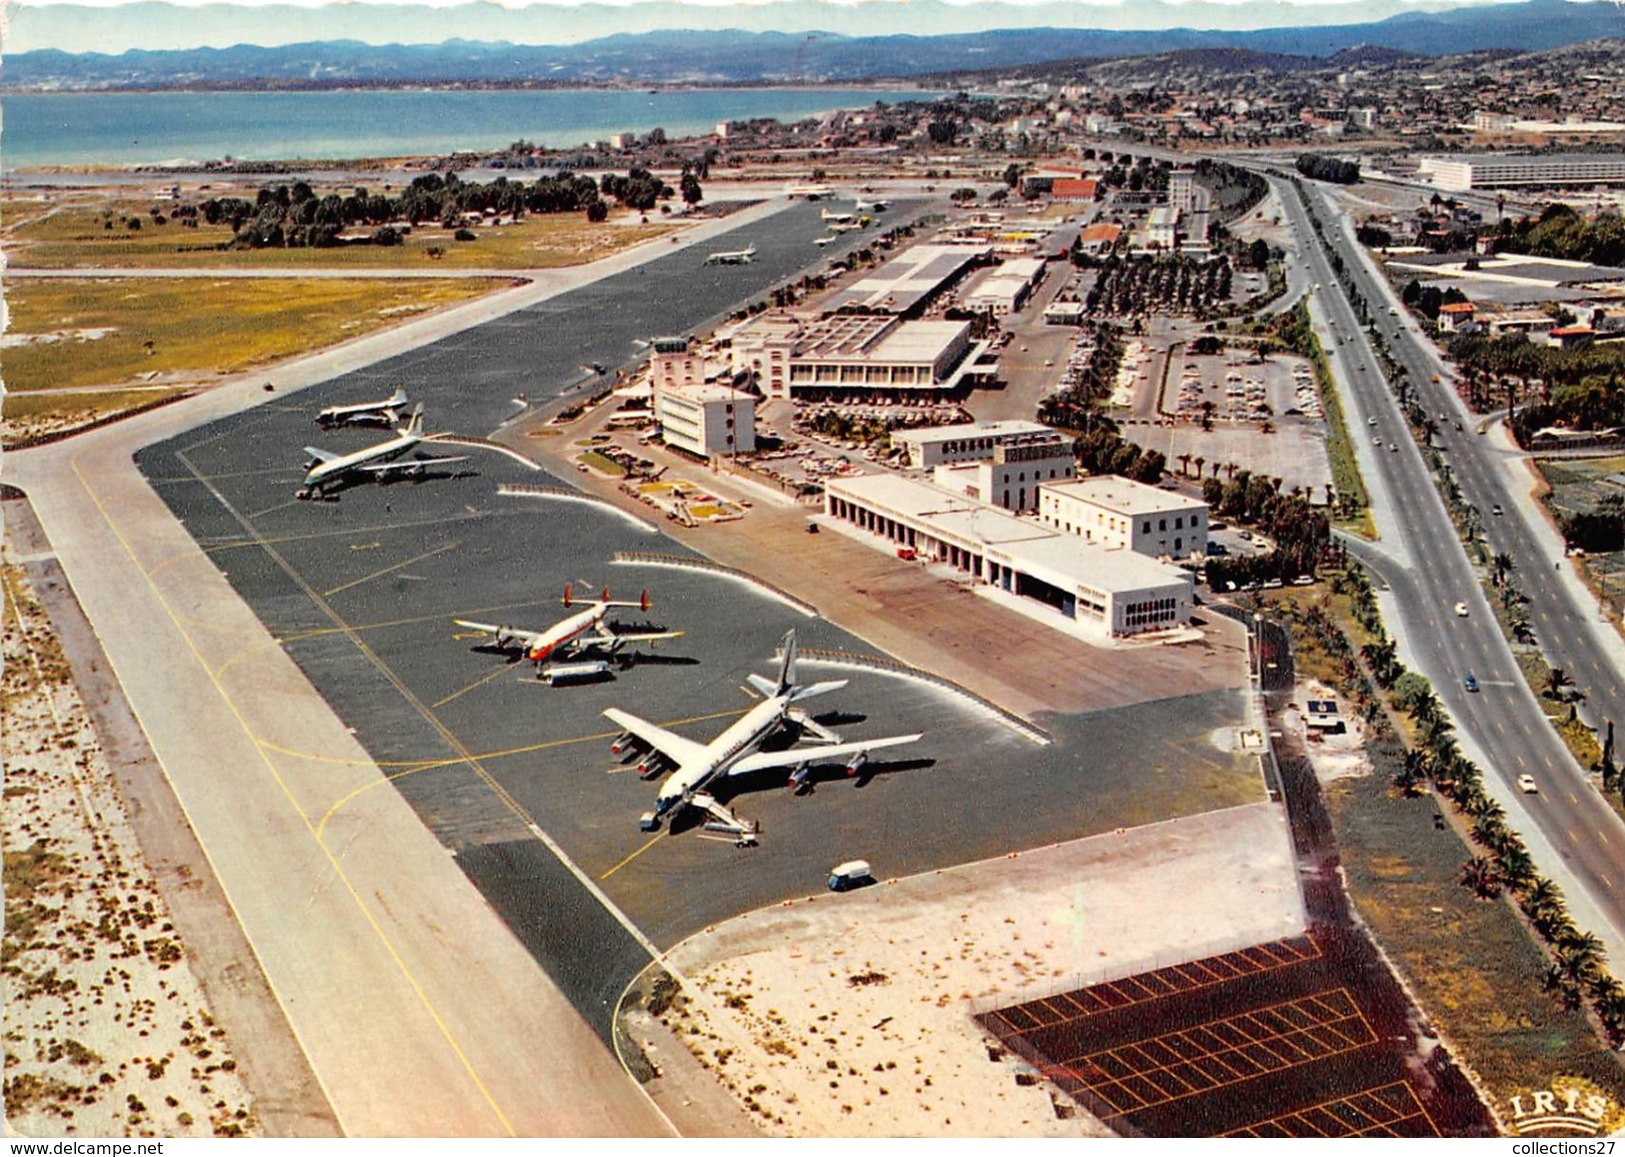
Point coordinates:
pixel 127 129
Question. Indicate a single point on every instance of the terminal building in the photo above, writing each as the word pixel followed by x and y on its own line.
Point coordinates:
pixel 1011 478
pixel 1502 172
pixel 909 282
pixel 791 355
pixel 1116 592
pixel 932 446
pixel 706 420
pixel 695 416
pixel 1120 514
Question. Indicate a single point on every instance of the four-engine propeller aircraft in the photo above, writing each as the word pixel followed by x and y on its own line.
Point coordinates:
pixel 582 631
pixel 326 471
pixel 863 206
pixel 839 218
pixel 384 413
pixel 733 257
pixel 695 766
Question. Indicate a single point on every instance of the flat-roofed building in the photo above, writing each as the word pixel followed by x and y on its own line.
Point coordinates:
pixel 794 355
pixel 1115 592
pixel 672 362
pixel 1006 289
pixel 1501 172
pixel 1119 513
pixel 932 446
pixel 1011 479
pixel 706 420
pixel 1161 228
pixel 907 283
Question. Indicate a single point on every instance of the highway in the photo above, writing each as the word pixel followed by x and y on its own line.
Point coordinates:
pixel 1570 830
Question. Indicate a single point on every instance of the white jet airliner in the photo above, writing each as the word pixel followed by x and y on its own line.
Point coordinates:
pixel 384 413
pixel 695 766
pixel 327 471
pixel 733 257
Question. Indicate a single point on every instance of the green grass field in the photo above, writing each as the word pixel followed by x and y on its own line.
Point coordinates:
pixel 126 332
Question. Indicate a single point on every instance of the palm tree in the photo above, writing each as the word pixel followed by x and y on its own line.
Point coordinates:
pixel 1184 461
pixel 1515 866
pixel 1561 985
pixel 1479 874
pixel 1503 566
pixel 1556 680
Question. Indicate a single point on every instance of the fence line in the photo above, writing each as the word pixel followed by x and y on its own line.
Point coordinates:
pixel 565 494
pixel 691 562
pixel 1017 723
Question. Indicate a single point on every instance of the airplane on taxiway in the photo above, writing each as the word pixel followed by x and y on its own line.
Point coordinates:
pixel 384 413
pixel 583 631
pixel 733 257
pixel 695 766
pixel 326 471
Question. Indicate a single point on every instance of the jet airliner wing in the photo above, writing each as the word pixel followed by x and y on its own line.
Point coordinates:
pixel 673 747
pixel 617 637
pixel 321 455
pixel 406 465
pixel 824 754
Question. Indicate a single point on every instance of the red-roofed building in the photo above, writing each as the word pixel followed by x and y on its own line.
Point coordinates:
pixel 1101 238
pixel 1073 189
pixel 1570 336
pixel 1455 315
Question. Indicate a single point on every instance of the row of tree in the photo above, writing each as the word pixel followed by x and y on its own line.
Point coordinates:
pixel 1319 167
pixel 294 215
pixel 1562 232
pixel 1576 970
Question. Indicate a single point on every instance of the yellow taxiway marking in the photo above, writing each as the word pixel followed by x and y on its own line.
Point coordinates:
pixel 367 578
pixel 480 682
pixel 333 861
pixel 653 840
pixel 317 632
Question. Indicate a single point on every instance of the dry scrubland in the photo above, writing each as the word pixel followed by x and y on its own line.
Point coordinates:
pixel 107 1032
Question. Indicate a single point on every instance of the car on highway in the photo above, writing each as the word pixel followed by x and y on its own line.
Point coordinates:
pixel 1471 682
pixel 1461 609
pixel 1527 785
pixel 1394 446
pixel 1496 509
pixel 1371 421
pixel 1376 441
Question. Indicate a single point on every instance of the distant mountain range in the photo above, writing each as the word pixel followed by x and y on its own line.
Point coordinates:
pixel 738 57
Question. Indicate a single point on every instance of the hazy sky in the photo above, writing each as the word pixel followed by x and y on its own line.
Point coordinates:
pixel 118 25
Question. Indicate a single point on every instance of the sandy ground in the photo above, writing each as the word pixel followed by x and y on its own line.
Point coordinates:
pixel 106 1029
pixel 851 1015
pixel 1336 756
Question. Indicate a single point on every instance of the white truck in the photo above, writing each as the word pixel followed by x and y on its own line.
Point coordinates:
pixel 851 874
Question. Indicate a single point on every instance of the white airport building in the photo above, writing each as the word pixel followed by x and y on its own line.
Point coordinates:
pixel 1121 514
pixel 933 446
pixel 796 355
pixel 1006 289
pixel 1497 172
pixel 1012 477
pixel 1117 592
pixel 706 420
pixel 907 283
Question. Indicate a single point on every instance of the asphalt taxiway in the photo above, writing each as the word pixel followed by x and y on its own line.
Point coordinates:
pixel 515 777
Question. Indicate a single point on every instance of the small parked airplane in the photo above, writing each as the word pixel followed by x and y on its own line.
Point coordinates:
pixel 869 206
pixel 381 463
pixel 732 257
pixel 826 215
pixel 696 765
pixel 570 636
pixel 384 413
pixel 822 241
pixel 843 226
